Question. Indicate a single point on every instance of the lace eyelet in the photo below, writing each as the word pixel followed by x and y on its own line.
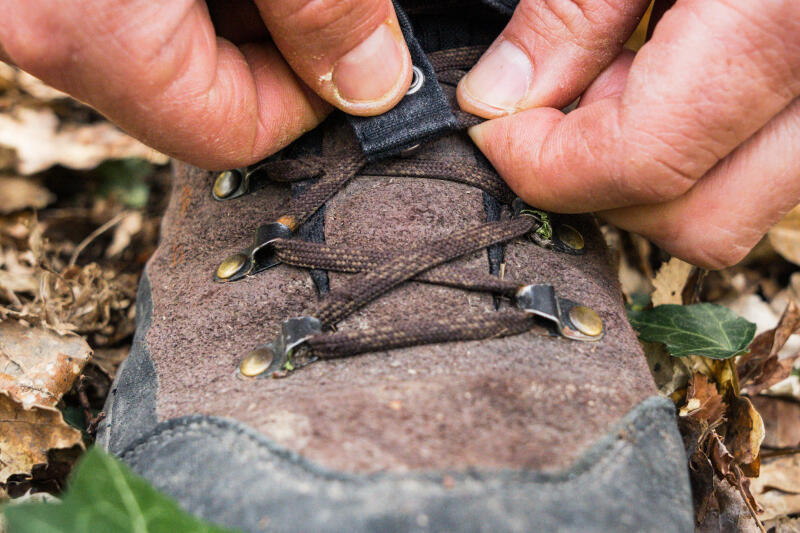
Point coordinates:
pixel 416 82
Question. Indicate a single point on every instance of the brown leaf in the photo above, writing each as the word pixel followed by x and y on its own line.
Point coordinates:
pixel 781 421
pixel 109 359
pixel 41 141
pixel 760 368
pixel 721 458
pixel 21 193
pixel 778 486
pixel 745 431
pixel 37 366
pixel 783 525
pixel 703 401
pixel 26 436
pixel 670 281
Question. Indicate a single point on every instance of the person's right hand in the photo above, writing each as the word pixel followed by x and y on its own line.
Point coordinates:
pixel 222 94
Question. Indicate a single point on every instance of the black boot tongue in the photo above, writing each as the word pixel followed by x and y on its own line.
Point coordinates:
pixel 423 114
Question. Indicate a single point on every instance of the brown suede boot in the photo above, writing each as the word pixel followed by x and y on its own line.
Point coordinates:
pixel 463 364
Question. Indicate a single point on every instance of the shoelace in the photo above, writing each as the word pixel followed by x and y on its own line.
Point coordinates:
pixel 312 337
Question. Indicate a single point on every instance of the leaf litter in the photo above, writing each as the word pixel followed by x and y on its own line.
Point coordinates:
pixel 72 247
pixel 738 396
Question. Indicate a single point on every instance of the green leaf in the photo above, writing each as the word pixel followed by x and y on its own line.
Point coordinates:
pixel 709 330
pixel 104 495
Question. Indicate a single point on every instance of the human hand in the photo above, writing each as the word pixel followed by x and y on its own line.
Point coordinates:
pixel 694 142
pixel 222 94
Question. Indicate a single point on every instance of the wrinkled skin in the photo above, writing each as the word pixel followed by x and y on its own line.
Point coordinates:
pixel 693 142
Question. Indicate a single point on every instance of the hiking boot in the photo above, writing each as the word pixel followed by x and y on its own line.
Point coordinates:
pixel 331 343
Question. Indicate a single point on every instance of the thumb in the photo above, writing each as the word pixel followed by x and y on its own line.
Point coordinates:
pixel 350 52
pixel 548 54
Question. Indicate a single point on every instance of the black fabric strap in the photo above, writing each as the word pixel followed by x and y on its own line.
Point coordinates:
pixel 418 117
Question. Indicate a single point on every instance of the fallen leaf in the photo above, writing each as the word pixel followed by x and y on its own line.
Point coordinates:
pixel 788 388
pixel 26 436
pixel 753 308
pixel 703 401
pixel 21 193
pixel 670 282
pixel 109 359
pixel 760 368
pixel 783 525
pixel 728 513
pixel 40 141
pixel 778 486
pixel 745 433
pixel 707 330
pixel 785 236
pixel 37 366
pixel 128 227
pixel 670 374
pixel 781 421
pixel 104 495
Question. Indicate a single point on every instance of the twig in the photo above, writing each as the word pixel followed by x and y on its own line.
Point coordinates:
pixel 91 420
pixel 740 488
pixel 779 453
pixel 93 235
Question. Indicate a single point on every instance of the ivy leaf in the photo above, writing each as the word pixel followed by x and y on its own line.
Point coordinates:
pixel 709 330
pixel 104 495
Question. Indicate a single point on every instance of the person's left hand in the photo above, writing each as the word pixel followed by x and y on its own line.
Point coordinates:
pixel 694 143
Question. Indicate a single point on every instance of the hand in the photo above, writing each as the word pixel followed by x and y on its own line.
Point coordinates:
pixel 221 83
pixel 694 142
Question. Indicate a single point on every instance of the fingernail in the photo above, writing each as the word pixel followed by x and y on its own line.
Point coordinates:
pixel 501 78
pixel 370 70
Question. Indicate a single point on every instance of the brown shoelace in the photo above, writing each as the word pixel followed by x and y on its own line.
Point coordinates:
pixel 379 271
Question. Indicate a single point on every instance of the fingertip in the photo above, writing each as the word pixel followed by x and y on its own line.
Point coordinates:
pixel 374 76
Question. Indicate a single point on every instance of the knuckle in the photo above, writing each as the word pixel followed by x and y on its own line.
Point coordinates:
pixel 333 18
pixel 586 21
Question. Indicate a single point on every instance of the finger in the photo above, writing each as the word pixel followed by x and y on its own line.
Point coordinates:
pixel 611 82
pixel 351 52
pixel 712 75
pixel 721 218
pixel 548 54
pixel 158 71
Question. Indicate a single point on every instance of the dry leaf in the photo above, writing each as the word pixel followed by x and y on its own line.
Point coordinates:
pixel 781 421
pixel 109 359
pixel 37 366
pixel 13 78
pixel 760 368
pixel 670 281
pixel 788 388
pixel 41 142
pixel 785 236
pixel 703 401
pixel 127 228
pixel 778 486
pixel 17 194
pixel 745 432
pixel 783 525
pixel 26 435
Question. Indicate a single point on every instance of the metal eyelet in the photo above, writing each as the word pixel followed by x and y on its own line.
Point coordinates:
pixel 570 319
pixel 416 82
pixel 276 356
pixel 260 256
